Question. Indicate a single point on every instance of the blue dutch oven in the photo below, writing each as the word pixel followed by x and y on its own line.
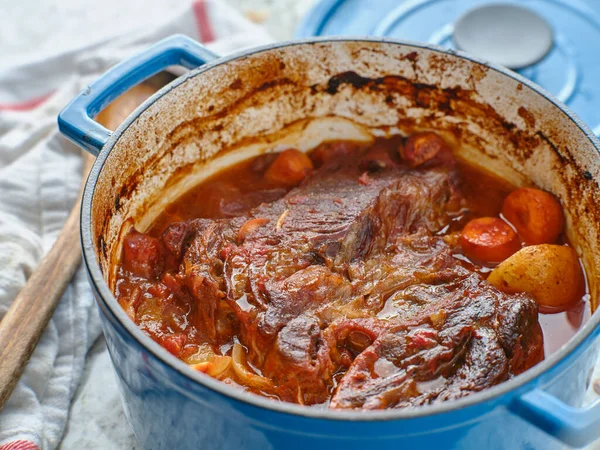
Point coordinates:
pixel 302 93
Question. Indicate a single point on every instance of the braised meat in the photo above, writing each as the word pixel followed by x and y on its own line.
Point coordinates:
pixel 347 290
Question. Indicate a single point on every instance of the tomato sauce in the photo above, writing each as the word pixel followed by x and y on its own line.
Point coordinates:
pixel 166 313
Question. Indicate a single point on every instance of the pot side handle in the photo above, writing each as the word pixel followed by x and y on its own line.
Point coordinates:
pixel 76 120
pixel 573 426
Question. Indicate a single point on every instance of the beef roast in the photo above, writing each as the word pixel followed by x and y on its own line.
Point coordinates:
pixel 343 290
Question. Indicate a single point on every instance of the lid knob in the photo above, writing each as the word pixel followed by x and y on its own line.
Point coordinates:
pixel 506 34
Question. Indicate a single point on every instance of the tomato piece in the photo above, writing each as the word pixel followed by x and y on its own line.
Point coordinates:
pixel 201 367
pixel 423 147
pixel 364 179
pixel 174 343
pixel 422 338
pixel 174 283
pixel 489 240
pixel 158 290
pixel 289 168
pixel 331 151
pixel 174 237
pixel 537 215
pixel 142 255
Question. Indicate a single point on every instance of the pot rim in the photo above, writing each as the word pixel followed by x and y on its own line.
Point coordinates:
pixel 106 297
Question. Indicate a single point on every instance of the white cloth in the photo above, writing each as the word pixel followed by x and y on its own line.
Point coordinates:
pixel 40 174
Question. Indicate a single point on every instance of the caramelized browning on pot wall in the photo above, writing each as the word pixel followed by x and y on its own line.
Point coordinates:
pixel 254 102
pixel 361 276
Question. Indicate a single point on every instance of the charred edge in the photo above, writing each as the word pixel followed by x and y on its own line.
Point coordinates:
pixel 422 94
pixel 395 83
pixel 102 246
pixel 431 96
pixel 236 84
pixel 448 100
pixel 351 78
pixel 128 187
pixel 508 126
pixel 412 56
pixel 101 243
pixel 273 83
pixel 562 157
pixel 527 116
pixel 391 82
pixel 197 123
pixel 133 180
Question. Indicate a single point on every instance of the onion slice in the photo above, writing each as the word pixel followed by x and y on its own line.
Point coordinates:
pixel 248 378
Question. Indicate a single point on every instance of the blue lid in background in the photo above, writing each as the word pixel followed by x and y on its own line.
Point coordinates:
pixel 570 71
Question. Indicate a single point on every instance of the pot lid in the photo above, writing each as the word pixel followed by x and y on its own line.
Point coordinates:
pixel 561 40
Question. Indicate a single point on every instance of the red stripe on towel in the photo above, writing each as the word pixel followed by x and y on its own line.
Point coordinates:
pixel 205 30
pixel 20 445
pixel 25 106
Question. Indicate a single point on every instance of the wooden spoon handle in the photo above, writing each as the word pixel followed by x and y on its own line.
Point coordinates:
pixel 23 324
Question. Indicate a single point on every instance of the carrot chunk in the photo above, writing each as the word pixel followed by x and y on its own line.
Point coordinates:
pixel 537 215
pixel 489 240
pixel 423 147
pixel 289 168
pixel 174 343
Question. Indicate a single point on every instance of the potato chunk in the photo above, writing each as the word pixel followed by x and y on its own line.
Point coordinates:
pixel 550 273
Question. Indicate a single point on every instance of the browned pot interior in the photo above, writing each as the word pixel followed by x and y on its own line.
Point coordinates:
pixel 303 94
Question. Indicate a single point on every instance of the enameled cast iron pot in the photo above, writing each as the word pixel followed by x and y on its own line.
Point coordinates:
pixel 302 93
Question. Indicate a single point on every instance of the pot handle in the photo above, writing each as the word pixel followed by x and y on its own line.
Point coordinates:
pixel 76 120
pixel 575 427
